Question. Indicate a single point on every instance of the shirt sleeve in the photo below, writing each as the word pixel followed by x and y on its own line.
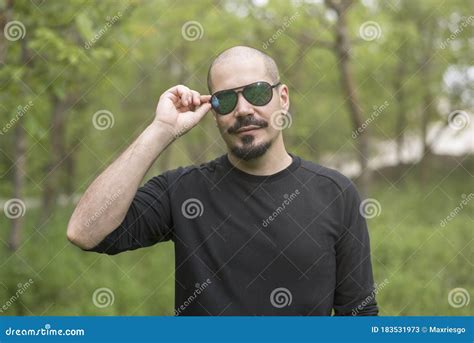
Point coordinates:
pixel 354 294
pixel 147 222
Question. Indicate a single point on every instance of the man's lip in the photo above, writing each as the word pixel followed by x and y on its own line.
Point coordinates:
pixel 248 128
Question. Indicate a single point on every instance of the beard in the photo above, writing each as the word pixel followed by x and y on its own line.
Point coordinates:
pixel 248 150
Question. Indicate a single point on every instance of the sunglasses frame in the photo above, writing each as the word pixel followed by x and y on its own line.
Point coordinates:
pixel 242 91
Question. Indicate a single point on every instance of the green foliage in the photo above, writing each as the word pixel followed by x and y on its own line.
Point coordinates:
pixel 82 56
pixel 121 55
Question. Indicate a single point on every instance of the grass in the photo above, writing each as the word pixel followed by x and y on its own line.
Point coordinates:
pixel 420 260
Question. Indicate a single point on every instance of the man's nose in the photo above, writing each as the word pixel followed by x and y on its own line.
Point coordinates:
pixel 243 107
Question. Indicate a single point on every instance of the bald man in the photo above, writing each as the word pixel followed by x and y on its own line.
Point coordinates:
pixel 257 231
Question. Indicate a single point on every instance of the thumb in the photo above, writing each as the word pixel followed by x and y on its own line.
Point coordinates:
pixel 201 111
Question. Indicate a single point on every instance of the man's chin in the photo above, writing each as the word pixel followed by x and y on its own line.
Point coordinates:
pixel 250 152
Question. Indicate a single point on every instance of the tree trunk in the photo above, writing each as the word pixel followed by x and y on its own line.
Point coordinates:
pixel 70 169
pixel 343 48
pixel 428 32
pixel 401 107
pixel 19 168
pixel 53 179
pixel 5 17
pixel 18 182
pixel 426 152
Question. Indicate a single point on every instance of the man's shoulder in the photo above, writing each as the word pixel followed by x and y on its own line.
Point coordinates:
pixel 194 170
pixel 331 175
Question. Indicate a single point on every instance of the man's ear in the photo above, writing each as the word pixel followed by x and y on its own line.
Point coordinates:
pixel 284 97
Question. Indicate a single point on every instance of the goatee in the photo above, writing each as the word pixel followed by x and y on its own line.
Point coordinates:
pixel 250 151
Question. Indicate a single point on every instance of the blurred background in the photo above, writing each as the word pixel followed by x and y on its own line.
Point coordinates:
pixel 380 90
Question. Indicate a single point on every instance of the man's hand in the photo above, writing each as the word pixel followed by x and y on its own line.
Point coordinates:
pixel 180 109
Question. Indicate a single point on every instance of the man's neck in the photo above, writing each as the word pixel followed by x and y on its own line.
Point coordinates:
pixel 274 160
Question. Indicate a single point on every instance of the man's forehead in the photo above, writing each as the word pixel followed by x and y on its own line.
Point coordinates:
pixel 234 72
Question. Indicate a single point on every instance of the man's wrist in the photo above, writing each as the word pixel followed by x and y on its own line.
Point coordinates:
pixel 161 132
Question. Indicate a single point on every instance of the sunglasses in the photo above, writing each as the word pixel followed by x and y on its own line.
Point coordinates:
pixel 258 94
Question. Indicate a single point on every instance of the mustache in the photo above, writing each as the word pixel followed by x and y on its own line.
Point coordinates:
pixel 246 121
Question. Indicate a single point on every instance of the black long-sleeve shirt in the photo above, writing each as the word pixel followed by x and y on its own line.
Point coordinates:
pixel 292 243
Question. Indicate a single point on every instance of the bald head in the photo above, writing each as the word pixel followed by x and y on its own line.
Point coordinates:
pixel 243 54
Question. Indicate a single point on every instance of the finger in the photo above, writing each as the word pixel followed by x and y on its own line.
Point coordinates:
pixel 196 98
pixel 178 90
pixel 184 99
pixel 202 110
pixel 173 97
pixel 184 93
pixel 176 94
pixel 205 98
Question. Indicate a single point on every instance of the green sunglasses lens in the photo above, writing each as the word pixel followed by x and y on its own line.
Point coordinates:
pixel 224 102
pixel 258 94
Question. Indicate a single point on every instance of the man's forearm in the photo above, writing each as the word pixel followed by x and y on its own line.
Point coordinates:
pixel 178 110
pixel 94 218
